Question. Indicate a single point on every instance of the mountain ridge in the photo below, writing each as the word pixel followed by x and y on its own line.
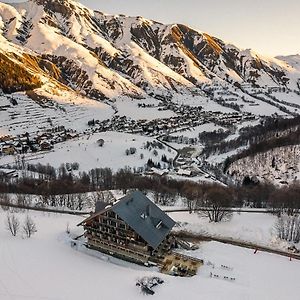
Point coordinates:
pixel 132 55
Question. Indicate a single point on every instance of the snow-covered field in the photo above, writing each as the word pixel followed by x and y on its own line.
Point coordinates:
pixel 288 97
pixel 194 131
pixel 130 108
pixel 257 228
pixel 206 103
pixel 68 109
pixel 219 158
pixel 89 155
pixel 46 267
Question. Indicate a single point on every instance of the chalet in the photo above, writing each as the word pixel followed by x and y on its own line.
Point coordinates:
pixel 34 147
pixel 184 172
pixel 181 161
pixel 133 229
pixel 18 146
pixel 46 145
pixel 9 173
pixel 246 85
pixel 274 89
pixel 159 172
pixel 8 150
pixel 6 138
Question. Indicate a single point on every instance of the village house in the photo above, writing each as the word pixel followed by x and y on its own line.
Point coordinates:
pixel 184 172
pixel 159 172
pixel 8 149
pixel 46 145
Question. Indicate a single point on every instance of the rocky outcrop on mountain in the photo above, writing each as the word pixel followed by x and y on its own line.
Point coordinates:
pixel 15 77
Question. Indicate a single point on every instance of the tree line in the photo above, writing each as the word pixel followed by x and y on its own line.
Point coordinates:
pixel 65 184
pixel 210 200
pixel 268 131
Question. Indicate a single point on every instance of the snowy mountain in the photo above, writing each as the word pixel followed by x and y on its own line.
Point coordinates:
pixel 292 60
pixel 105 56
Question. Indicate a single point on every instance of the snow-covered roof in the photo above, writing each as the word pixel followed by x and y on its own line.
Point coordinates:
pixel 184 172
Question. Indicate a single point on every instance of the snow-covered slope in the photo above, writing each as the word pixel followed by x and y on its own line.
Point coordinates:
pixel 280 166
pixel 292 60
pixel 78 273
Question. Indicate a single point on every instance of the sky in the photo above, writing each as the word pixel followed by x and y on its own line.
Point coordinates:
pixel 270 27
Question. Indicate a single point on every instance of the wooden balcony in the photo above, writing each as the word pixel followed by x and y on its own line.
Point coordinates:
pixel 118 250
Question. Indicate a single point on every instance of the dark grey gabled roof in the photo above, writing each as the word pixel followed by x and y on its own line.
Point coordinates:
pixel 144 217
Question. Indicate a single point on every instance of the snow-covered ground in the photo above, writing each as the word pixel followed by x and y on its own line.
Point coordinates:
pixel 89 155
pixel 206 103
pixel 46 267
pixel 130 108
pixel 288 97
pixel 68 109
pixel 255 228
pixel 279 165
pixel 219 158
pixel 194 131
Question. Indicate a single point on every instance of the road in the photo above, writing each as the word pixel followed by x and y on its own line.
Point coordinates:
pixel 236 210
pixel 205 173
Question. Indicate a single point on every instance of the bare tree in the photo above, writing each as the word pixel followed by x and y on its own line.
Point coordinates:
pixel 21 202
pixel 28 199
pixel 285 200
pixel 164 196
pixel 62 199
pixel 102 196
pixel 124 179
pixel 4 199
pixel 81 200
pixel 29 227
pixel 216 204
pixel 44 198
pixel 12 224
pixel 288 228
pixel 193 195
